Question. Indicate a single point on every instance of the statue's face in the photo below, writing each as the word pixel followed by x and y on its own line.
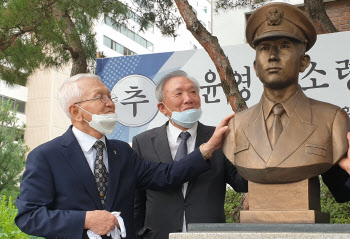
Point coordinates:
pixel 278 62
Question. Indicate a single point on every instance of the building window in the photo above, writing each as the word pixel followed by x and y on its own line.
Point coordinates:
pixel 117 47
pixel 21 105
pixel 107 42
pixel 130 34
pixel 138 20
pixel 205 9
pixel 124 30
pixel 143 42
pixel 150 46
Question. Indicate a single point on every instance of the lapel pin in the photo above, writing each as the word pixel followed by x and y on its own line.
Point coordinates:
pixel 115 152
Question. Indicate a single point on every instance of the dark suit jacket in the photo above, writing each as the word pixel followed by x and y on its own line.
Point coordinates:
pixel 58 186
pixel 347 188
pixel 338 183
pixel 159 213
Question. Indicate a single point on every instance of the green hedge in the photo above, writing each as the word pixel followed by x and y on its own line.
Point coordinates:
pixel 8 228
pixel 233 205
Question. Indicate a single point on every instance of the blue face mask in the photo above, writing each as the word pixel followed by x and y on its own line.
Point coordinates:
pixel 185 118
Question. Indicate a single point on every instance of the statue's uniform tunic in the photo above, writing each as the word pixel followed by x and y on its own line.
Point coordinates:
pixel 312 141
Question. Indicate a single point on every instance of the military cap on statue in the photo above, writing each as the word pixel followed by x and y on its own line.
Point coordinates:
pixel 280 20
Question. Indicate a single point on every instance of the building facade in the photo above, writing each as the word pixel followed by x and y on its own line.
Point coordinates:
pixel 46 120
pixel 17 94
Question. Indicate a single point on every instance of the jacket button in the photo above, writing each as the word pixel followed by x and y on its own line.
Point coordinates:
pixel 186 204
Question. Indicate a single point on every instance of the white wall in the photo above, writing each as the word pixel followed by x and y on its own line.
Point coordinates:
pixel 184 41
pixel 45 117
pixel 229 25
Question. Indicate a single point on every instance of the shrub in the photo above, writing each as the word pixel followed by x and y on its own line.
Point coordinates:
pixel 12 147
pixel 8 228
pixel 233 205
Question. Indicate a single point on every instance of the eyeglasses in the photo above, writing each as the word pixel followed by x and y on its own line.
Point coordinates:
pixel 103 98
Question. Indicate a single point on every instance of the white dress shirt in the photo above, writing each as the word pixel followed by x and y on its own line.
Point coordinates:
pixel 174 140
pixel 86 143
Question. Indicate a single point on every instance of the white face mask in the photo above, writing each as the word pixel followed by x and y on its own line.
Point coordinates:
pixel 185 118
pixel 104 123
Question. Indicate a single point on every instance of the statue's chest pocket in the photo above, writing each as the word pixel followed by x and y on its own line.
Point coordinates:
pixel 316 150
pixel 241 148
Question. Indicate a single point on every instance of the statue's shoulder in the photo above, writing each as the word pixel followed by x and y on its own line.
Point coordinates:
pixel 242 118
pixel 248 111
pixel 317 103
pixel 321 107
pixel 323 112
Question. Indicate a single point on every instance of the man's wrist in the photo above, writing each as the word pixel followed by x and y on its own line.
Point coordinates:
pixel 345 164
pixel 206 153
pixel 87 218
pixel 347 170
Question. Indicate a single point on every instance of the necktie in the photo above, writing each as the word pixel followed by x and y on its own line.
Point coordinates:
pixel 182 149
pixel 180 154
pixel 277 127
pixel 101 174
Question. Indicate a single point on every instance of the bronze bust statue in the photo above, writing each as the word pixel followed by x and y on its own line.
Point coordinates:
pixel 286 137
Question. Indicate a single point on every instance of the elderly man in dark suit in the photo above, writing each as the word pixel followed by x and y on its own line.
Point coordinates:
pixel 72 183
pixel 345 165
pixel 201 200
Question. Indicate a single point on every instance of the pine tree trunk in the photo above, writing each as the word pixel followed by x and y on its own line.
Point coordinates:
pixel 211 45
pixel 74 44
pixel 319 16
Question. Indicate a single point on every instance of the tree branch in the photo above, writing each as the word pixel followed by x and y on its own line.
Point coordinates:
pixel 319 16
pixel 74 43
pixel 211 45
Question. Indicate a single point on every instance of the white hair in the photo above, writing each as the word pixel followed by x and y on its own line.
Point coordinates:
pixel 160 85
pixel 70 91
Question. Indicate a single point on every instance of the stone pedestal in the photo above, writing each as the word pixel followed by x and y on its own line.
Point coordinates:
pixel 264 231
pixel 297 202
pixel 306 216
pixel 257 235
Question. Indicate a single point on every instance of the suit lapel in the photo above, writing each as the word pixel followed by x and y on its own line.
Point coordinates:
pixel 256 133
pixel 203 134
pixel 161 145
pixel 76 159
pixel 114 165
pixel 299 128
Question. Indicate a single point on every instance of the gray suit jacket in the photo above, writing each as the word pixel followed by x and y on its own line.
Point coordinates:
pixel 159 213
